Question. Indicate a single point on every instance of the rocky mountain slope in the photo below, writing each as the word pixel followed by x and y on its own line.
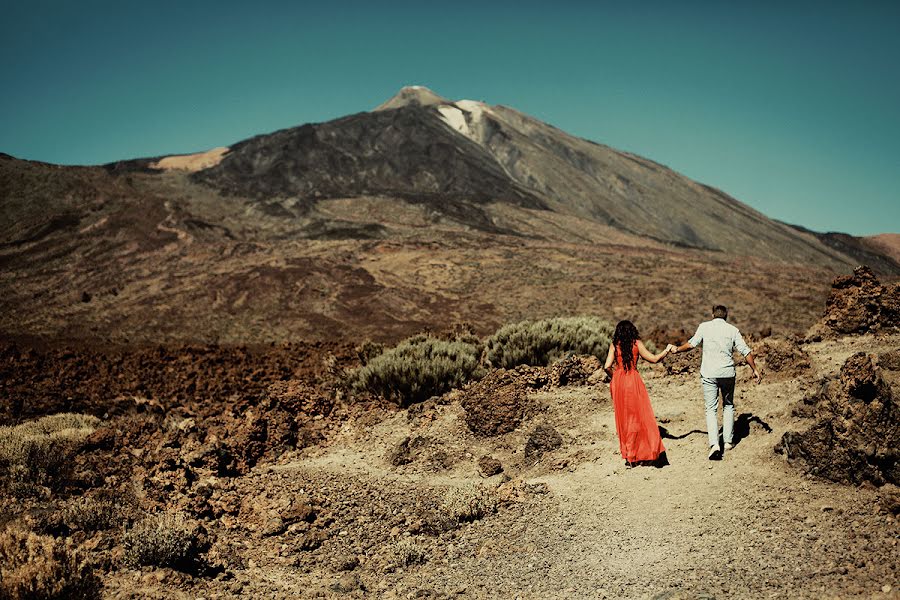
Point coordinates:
pixel 458 155
pixel 422 213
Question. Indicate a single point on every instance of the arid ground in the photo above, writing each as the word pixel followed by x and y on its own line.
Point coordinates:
pixel 179 338
pixel 295 493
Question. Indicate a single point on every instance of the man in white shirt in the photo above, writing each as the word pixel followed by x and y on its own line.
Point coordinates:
pixel 719 339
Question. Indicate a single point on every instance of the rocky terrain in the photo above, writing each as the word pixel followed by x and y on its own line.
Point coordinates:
pixel 182 416
pixel 279 484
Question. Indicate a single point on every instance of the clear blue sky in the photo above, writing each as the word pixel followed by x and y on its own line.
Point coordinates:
pixel 792 109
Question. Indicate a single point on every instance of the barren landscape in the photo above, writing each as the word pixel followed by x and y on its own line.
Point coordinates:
pixel 296 492
pixel 361 359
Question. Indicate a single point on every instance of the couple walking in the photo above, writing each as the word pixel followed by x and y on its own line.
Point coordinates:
pixel 639 438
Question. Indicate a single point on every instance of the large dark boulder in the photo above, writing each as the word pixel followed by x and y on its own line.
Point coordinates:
pixel 859 304
pixel 855 435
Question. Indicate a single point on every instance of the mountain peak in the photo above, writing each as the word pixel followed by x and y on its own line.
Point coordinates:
pixel 415 95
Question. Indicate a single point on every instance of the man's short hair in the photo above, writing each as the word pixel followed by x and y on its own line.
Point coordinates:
pixel 720 312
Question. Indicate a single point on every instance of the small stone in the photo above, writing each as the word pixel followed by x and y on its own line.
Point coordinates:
pixel 886 588
pixel 489 466
pixel 274 526
pixel 347 583
pixel 299 512
pixel 544 438
pixel 236 587
pixel 311 541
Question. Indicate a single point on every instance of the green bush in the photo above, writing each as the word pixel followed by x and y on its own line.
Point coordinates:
pixel 41 567
pixel 368 350
pixel 540 343
pixel 418 368
pixel 38 453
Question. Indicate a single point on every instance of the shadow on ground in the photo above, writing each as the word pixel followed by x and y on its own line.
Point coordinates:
pixel 743 425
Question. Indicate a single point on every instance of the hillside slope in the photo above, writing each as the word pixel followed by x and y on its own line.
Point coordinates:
pixel 421 214
pixel 456 157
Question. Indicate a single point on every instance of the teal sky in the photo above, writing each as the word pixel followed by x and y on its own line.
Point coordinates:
pixel 793 108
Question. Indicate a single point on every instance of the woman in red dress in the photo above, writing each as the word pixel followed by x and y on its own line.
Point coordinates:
pixel 639 439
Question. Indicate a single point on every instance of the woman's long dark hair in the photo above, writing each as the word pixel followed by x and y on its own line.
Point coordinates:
pixel 623 341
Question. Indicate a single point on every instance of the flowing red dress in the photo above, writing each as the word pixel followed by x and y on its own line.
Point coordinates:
pixel 639 438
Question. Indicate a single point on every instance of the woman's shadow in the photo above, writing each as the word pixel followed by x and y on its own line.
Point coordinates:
pixel 742 426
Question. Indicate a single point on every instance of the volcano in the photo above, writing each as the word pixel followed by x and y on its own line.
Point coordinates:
pixel 422 212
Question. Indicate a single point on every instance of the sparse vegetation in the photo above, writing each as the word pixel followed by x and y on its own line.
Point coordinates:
pixel 93 514
pixel 368 350
pixel 418 368
pixel 540 343
pixel 407 553
pixel 86 514
pixel 38 453
pixel 161 540
pixel 36 567
pixel 469 503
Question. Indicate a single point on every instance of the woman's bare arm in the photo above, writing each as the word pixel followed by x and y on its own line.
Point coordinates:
pixel 610 357
pixel 646 355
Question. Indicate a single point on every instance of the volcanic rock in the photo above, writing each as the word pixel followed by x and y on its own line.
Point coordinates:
pixel 782 358
pixel 859 304
pixel 682 363
pixel 856 434
pixel 406 450
pixel 543 439
pixel 573 370
pixel 495 404
pixel 489 466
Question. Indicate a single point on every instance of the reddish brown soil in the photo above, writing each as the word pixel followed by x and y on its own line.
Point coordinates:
pixel 113 381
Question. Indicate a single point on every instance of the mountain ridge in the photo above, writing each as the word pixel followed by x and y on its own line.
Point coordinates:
pixel 383 224
pixel 458 157
pixel 401 149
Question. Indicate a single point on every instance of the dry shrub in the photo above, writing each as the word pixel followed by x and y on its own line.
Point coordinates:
pixel 407 552
pixel 162 540
pixel 539 343
pixel 418 368
pixel 38 453
pixel 36 567
pixel 87 514
pixel 469 503
pixel 93 514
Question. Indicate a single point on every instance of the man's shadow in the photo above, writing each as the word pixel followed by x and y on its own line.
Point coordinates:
pixel 742 426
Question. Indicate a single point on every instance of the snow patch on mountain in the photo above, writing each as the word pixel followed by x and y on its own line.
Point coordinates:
pixel 466 117
pixel 455 118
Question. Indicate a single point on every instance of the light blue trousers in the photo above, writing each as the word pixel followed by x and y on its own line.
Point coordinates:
pixel 711 388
